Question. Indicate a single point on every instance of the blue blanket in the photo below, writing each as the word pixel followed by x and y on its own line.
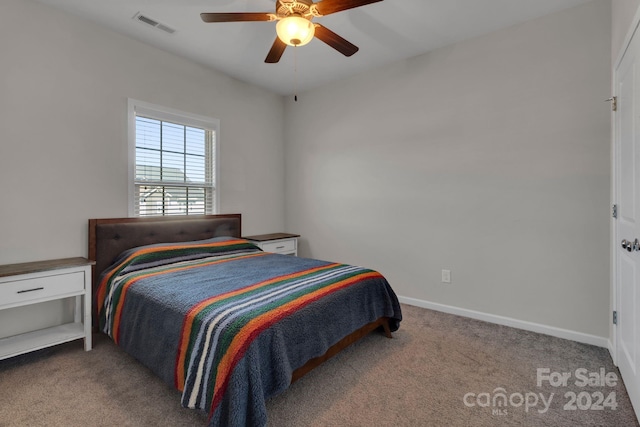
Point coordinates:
pixel 227 324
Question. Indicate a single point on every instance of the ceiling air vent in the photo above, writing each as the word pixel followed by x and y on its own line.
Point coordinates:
pixel 146 20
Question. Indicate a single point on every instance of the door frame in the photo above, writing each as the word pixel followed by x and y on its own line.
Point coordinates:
pixel 615 150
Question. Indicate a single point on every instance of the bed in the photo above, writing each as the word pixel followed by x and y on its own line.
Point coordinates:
pixel 220 320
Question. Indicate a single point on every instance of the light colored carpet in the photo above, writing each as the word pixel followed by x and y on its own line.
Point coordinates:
pixel 418 378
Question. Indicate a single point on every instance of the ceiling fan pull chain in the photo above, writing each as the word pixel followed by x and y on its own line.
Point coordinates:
pixel 295 73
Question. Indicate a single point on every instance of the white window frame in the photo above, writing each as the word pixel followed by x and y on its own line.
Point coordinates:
pixel 146 109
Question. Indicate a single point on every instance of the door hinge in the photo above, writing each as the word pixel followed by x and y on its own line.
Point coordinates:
pixel 615 211
pixel 615 317
pixel 614 103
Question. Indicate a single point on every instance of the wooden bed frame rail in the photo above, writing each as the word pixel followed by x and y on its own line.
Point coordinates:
pixel 341 345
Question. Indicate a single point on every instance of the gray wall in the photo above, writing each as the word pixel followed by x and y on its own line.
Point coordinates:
pixel 63 147
pixel 489 158
pixel 64 84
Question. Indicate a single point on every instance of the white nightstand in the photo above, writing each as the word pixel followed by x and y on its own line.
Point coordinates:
pixel 36 282
pixel 279 243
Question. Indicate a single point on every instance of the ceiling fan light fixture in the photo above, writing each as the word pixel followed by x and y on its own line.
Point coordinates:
pixel 295 30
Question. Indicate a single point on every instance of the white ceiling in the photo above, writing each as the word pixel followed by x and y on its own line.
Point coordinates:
pixel 387 31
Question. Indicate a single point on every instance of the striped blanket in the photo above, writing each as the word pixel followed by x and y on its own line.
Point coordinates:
pixel 227 324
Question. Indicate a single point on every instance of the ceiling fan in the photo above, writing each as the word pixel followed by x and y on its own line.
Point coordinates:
pixel 295 26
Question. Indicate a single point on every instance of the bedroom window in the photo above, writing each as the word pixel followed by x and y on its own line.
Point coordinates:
pixel 173 167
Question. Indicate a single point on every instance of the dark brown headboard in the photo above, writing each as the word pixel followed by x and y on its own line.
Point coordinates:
pixel 109 237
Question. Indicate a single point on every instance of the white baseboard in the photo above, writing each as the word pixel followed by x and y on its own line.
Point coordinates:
pixel 612 352
pixel 514 323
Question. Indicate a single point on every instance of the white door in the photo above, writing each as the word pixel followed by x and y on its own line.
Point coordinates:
pixel 627 230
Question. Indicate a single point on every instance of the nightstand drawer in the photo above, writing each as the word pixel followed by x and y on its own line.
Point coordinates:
pixel 280 246
pixel 41 288
pixel 279 243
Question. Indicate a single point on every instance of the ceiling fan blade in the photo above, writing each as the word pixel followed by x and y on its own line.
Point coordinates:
pixel 276 51
pixel 335 41
pixel 235 17
pixel 327 7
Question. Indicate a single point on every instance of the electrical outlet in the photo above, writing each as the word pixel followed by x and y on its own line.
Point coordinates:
pixel 446 276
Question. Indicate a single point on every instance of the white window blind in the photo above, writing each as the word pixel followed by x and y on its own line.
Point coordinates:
pixel 175 164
